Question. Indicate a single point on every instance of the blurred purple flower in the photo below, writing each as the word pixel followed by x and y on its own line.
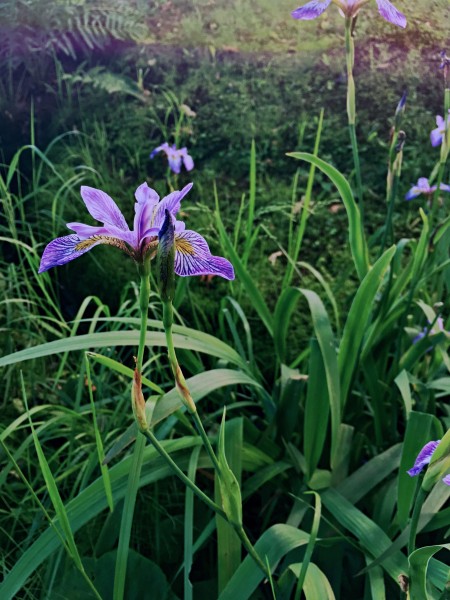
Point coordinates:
pixel 192 255
pixel 437 135
pixel 349 8
pixel 423 459
pixel 438 327
pixel 175 157
pixel 423 187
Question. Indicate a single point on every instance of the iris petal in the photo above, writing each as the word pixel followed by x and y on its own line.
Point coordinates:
pixel 436 137
pixel 193 257
pixel 170 203
pixel 414 192
pixel 423 458
pixel 311 10
pixel 147 199
pixel 446 479
pixel 390 13
pixel 62 250
pixel 103 208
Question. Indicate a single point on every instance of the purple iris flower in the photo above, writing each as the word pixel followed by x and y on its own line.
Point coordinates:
pixel 423 459
pixel 349 8
pixel 175 157
pixel 437 135
pixel 438 327
pixel 423 187
pixel 192 254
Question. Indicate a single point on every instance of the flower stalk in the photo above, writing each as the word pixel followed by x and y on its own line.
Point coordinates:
pixel 351 106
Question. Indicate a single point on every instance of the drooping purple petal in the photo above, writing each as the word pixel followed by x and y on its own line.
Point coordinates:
pixel 423 458
pixel 414 192
pixel 311 10
pixel 444 187
pixel 163 148
pixel 188 161
pixel 174 160
pixel 390 13
pixel 103 208
pixel 446 479
pixel 193 257
pixel 436 137
pixel 62 250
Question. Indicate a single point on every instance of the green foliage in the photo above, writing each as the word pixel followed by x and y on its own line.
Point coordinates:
pixel 324 388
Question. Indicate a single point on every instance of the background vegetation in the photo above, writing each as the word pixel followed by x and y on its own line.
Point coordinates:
pixel 87 90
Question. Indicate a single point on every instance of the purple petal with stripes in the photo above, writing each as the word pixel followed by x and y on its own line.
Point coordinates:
pixel 103 208
pixel 423 458
pixel 170 203
pixel 193 257
pixel 390 13
pixel 311 10
pixel 62 250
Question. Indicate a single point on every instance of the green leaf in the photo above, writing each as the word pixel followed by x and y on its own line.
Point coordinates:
pixel 317 586
pixel 418 432
pixel 228 542
pixel 358 319
pixel 317 409
pixel 91 502
pixel 244 277
pixel 230 490
pixel 200 342
pixel 418 566
pixel 358 244
pixel 371 537
pixel 274 543
pixel 310 547
pixel 325 338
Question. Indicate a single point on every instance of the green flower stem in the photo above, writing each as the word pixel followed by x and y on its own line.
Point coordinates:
pixel 144 297
pixel 184 478
pixel 251 550
pixel 420 499
pixel 392 187
pixel 186 397
pixel 351 107
pixel 182 386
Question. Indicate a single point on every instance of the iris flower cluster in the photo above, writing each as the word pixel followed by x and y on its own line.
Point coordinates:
pixel 349 9
pixel 192 254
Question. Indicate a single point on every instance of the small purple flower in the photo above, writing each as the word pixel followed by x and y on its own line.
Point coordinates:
pixel 349 8
pixel 175 157
pixel 423 187
pixel 437 135
pixel 423 459
pixel 192 254
pixel 438 327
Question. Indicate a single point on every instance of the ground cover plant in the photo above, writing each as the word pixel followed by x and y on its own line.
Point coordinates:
pixel 242 389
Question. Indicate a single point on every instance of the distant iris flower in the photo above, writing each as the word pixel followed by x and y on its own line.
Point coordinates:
pixel 438 327
pixel 349 8
pixel 423 187
pixel 175 157
pixel 423 459
pixel 437 135
pixel 192 255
